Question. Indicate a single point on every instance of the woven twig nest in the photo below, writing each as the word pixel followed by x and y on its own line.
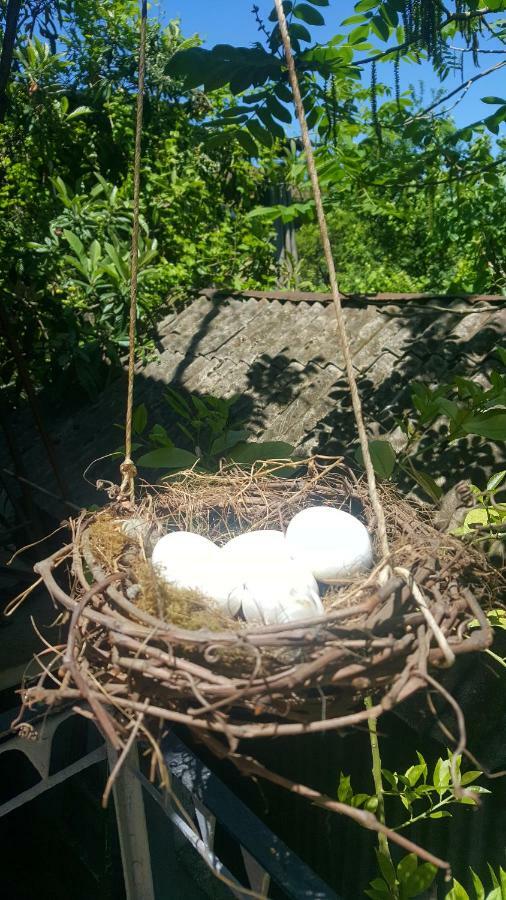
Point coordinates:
pixel 137 647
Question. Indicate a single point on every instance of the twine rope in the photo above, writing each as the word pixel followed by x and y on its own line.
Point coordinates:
pixel 336 297
pixel 127 468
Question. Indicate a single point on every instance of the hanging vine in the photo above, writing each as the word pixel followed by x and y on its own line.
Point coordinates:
pixel 397 80
pixel 423 21
pixel 333 93
pixel 374 104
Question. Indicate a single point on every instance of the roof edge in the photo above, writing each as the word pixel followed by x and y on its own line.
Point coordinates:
pixel 320 297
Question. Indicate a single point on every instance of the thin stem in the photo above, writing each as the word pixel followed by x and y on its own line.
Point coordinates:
pixel 378 782
pixel 425 814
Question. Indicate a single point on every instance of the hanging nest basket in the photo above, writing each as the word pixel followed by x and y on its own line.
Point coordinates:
pixel 139 649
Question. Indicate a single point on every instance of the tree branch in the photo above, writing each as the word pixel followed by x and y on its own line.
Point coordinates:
pixel 463 86
pixel 455 17
pixel 9 41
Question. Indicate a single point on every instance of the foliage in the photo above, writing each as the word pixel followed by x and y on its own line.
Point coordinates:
pixel 411 879
pixel 464 408
pixel 426 210
pixel 410 199
pixel 488 515
pixel 258 76
pixel 211 429
pixel 497 891
pixel 424 796
pixel 65 197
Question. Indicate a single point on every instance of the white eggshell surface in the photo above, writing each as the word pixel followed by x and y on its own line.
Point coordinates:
pixel 257 553
pixel 282 595
pixel 330 542
pixel 193 562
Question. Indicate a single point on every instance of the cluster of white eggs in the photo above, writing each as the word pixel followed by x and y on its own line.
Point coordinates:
pixel 268 576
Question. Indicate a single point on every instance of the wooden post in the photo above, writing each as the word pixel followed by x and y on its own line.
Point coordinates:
pixel 286 244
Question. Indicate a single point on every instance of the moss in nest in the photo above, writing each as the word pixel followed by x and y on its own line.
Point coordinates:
pixel 107 541
pixel 185 608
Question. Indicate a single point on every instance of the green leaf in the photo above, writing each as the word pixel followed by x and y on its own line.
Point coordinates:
pixel 78 111
pixel 414 773
pixel 259 133
pixel 139 418
pixel 168 458
pixel 427 484
pixel 359 35
pixel 386 868
pixel 440 814
pixel 406 867
pixel 496 100
pixel 495 894
pixel 478 516
pixel 420 880
pixel 275 129
pixel 299 32
pixel 226 441
pixel 442 775
pixel 382 455
pixel 378 884
pixel 496 480
pixel 501 353
pixel 380 27
pixel 313 117
pixel 491 425
pixel 353 20
pixel 74 242
pixel 457 892
pixel 493 876
pixel 344 790
pixel 158 435
pixel 307 14
pixel 287 8
pixel 365 5
pixel 247 143
pixel 494 121
pixel 390 778
pixel 470 776
pixel 375 894
pixel 177 403
pixel 319 2
pixel 479 890
pixel 448 407
pixel 251 451
pixel 277 110
pixel 359 800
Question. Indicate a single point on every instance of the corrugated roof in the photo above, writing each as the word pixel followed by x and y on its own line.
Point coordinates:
pixel 284 360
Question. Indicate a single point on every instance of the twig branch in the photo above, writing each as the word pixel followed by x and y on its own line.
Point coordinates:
pixel 248 766
pixel 463 86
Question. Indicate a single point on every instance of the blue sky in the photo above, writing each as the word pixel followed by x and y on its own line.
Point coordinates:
pixel 232 22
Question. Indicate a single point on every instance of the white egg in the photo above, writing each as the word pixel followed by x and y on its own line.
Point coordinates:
pixel 193 562
pixel 257 553
pixel 330 542
pixel 284 594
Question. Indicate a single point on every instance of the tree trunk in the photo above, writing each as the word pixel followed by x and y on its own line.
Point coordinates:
pixel 11 28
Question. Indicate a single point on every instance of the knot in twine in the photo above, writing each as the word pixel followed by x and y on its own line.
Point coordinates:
pixel 128 471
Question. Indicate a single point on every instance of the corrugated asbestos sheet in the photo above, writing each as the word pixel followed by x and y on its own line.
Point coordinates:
pixel 283 360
